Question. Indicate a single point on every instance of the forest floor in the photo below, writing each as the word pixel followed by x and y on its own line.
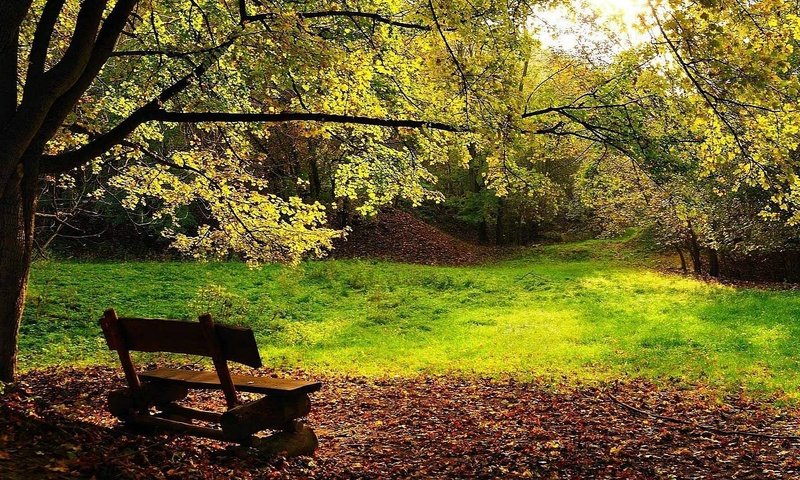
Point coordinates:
pixel 53 426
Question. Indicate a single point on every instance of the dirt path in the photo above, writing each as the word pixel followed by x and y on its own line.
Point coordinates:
pixel 56 426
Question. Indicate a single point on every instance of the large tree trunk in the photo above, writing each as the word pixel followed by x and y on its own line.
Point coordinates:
pixel 17 204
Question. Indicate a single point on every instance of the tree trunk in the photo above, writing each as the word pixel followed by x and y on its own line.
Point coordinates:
pixel 17 204
pixel 713 263
pixel 476 187
pixel 694 252
pixel 316 183
pixel 499 226
pixel 684 268
pixel 483 228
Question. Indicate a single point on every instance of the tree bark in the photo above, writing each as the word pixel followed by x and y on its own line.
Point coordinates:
pixel 483 232
pixel 17 210
pixel 8 74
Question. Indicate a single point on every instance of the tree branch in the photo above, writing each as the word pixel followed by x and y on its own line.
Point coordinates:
pixel 228 117
pixel 352 14
pixel 70 67
pixel 165 53
pixel 68 160
pixel 41 40
pixel 563 108
pixel 12 14
pixel 459 68
pixel 104 46
pixel 704 94
pixel 375 17
pixel 18 134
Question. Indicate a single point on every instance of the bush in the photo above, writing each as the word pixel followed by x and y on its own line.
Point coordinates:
pixel 223 305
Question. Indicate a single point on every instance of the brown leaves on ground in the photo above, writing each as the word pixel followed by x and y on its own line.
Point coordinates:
pixel 54 425
pixel 400 236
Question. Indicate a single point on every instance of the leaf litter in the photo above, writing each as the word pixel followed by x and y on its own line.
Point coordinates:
pixel 53 424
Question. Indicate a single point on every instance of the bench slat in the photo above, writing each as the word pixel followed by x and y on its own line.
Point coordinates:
pixel 176 336
pixel 243 383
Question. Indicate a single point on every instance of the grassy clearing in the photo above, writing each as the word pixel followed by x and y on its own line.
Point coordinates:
pixel 574 311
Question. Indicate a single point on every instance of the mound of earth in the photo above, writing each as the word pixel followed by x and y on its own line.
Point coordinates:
pixel 400 236
pixel 53 425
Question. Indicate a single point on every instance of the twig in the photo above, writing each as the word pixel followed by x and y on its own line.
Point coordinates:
pixel 698 426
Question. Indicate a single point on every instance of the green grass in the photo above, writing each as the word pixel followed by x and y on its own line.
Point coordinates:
pixel 579 312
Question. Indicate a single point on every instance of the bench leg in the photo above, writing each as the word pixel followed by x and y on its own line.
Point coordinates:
pixel 295 439
pixel 151 421
pixel 125 402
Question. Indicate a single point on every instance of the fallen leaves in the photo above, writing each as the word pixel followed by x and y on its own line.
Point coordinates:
pixel 397 235
pixel 54 425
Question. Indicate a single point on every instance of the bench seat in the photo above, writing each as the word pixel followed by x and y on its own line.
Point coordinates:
pixel 243 383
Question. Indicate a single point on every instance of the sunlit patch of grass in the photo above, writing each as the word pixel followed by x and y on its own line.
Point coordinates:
pixel 581 312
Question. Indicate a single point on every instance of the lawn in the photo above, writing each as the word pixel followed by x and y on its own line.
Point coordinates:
pixel 571 313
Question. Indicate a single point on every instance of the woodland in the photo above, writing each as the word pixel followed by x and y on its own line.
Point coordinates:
pixel 509 239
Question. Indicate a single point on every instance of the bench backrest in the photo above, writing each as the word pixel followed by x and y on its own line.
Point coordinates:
pixel 219 342
pixel 177 336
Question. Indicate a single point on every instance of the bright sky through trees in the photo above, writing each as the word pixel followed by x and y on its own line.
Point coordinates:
pixel 562 28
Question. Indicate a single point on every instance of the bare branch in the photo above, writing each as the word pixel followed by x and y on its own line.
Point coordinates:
pixel 73 159
pixel 352 14
pixel 228 117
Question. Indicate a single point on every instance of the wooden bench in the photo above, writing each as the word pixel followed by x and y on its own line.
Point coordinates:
pixel 150 397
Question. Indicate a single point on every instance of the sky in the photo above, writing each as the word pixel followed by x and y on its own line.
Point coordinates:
pixel 561 30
